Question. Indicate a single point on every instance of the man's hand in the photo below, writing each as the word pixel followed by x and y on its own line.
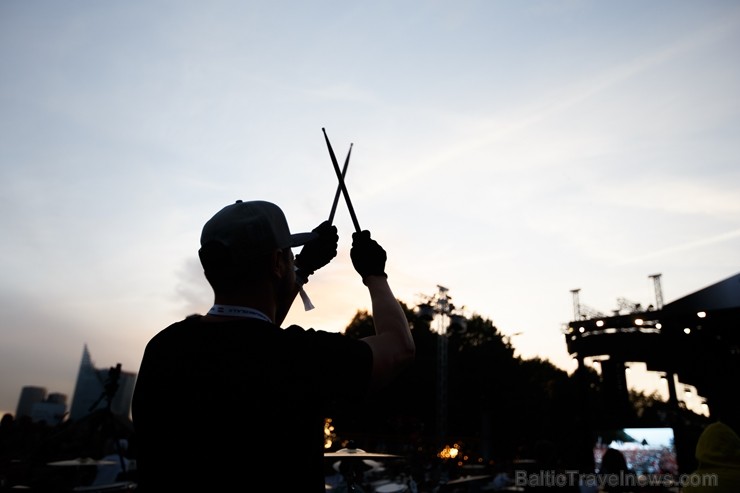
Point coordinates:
pixel 318 252
pixel 367 256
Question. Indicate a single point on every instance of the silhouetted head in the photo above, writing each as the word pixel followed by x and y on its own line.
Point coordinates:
pixel 237 241
pixel 613 462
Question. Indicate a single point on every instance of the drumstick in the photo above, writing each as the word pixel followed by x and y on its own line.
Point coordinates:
pixel 339 187
pixel 341 183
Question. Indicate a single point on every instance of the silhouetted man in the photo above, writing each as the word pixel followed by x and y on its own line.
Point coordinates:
pixel 229 400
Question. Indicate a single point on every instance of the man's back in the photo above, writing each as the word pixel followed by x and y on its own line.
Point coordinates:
pixel 230 398
pixel 244 398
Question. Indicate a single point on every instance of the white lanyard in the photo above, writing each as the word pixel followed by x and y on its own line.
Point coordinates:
pixel 238 311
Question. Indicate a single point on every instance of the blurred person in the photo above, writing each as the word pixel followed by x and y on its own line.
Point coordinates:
pixel 7 446
pixel 615 475
pixel 718 461
pixel 231 398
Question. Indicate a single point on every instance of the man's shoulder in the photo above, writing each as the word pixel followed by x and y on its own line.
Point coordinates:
pixel 201 325
pixel 178 328
pixel 319 335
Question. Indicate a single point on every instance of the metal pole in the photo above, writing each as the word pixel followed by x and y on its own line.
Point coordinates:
pixel 442 309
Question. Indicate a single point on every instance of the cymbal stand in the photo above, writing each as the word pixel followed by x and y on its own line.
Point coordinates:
pixel 352 470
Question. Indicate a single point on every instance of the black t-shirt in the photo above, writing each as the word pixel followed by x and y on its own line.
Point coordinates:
pixel 225 406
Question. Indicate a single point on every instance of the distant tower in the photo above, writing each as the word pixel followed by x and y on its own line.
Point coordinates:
pixel 658 291
pixel 576 304
pixel 94 389
pixel 30 395
pixel 87 389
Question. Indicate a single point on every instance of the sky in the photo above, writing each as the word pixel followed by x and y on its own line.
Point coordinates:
pixel 510 151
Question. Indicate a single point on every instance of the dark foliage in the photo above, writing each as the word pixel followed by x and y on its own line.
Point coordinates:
pixel 499 406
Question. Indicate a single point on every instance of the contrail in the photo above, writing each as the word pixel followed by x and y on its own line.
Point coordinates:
pixel 686 246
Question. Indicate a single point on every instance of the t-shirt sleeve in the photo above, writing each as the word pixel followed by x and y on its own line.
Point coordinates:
pixel 344 364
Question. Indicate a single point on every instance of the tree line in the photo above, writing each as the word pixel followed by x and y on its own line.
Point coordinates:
pixel 499 407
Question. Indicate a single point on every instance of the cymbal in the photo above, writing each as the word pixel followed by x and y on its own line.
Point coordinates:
pixel 81 461
pixel 357 453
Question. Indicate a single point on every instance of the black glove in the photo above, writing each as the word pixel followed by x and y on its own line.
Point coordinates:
pixel 317 252
pixel 367 256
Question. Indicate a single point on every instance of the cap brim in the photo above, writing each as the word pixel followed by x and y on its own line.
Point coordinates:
pixel 299 239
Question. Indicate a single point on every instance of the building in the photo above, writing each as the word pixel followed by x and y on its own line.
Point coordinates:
pixel 97 388
pixel 693 339
pixel 52 410
pixel 30 395
pixel 36 404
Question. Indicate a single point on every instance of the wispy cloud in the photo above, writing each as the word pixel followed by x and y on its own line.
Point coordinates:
pixel 684 247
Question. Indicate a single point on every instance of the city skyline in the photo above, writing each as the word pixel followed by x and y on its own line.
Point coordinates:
pixel 94 389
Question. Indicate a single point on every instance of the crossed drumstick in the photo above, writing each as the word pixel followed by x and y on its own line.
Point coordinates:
pixel 341 187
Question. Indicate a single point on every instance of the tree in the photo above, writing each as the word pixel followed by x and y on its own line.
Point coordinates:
pixel 499 405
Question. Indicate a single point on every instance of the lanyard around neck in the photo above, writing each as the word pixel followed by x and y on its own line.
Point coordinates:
pixel 238 311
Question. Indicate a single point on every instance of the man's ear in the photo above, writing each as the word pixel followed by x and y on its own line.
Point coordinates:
pixel 279 263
